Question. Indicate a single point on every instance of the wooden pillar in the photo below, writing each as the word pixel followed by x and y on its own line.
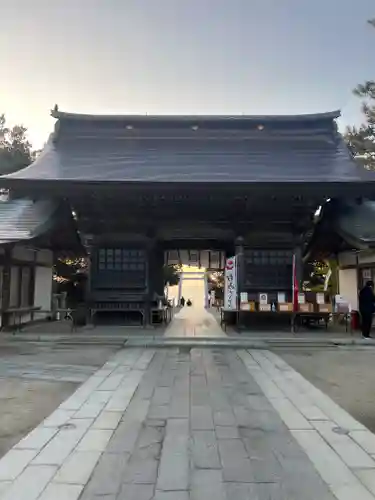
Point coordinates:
pixel 206 301
pixel 180 289
pixel 5 292
pixel 149 292
pixel 299 265
pixel 150 279
pixel 240 260
pixel 158 275
pixel 334 266
pixel 298 262
pixel 358 273
pixel 31 291
pixel 88 242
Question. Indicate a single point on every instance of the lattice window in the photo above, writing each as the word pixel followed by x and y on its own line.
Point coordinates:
pixel 120 268
pixel 120 259
pixel 268 269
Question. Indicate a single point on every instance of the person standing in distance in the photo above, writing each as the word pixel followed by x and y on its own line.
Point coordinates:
pixel 367 308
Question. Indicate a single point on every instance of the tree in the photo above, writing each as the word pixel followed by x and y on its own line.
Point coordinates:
pixel 320 276
pixel 15 149
pixel 172 274
pixel 215 281
pixel 68 269
pixel 70 276
pixel 314 276
pixel 361 140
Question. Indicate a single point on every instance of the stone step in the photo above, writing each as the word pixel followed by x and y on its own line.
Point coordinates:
pixel 139 340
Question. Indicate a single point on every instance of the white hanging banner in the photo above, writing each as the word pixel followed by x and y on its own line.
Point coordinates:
pixel 230 284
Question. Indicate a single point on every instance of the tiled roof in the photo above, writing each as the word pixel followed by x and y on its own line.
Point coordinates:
pixel 214 149
pixel 356 221
pixel 342 225
pixel 24 219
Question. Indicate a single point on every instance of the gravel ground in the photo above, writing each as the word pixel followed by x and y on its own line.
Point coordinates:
pixel 346 375
pixel 35 379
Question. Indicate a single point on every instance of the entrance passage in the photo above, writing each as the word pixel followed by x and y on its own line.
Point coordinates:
pixel 194 321
pixel 193 287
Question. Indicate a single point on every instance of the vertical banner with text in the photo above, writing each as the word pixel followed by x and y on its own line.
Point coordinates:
pixel 230 285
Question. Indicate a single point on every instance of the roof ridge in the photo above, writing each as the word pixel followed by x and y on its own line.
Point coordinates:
pixel 330 115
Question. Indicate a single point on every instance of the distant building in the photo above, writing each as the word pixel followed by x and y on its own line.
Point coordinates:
pixel 31 232
pixel 346 232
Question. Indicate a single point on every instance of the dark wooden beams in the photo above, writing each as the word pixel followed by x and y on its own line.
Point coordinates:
pixel 188 215
pixel 5 292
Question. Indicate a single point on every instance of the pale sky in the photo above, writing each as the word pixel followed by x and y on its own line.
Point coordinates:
pixel 182 56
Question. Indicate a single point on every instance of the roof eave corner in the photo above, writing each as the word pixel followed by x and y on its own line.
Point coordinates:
pixel 55 113
pixel 335 114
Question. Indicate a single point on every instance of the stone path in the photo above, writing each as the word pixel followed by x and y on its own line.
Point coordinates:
pixel 46 371
pixel 194 322
pixel 187 425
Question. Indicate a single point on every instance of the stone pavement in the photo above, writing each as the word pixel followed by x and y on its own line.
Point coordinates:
pixel 177 424
pixel 46 371
pixel 194 322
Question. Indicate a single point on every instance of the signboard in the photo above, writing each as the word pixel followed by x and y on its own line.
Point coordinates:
pixel 366 274
pixel 340 299
pixel 264 307
pixel 244 297
pixel 281 297
pixel 230 284
pixel 320 298
pixel 288 307
pixel 326 308
pixel 306 308
pixel 343 308
pixel 301 298
pixel 342 305
pixel 263 299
